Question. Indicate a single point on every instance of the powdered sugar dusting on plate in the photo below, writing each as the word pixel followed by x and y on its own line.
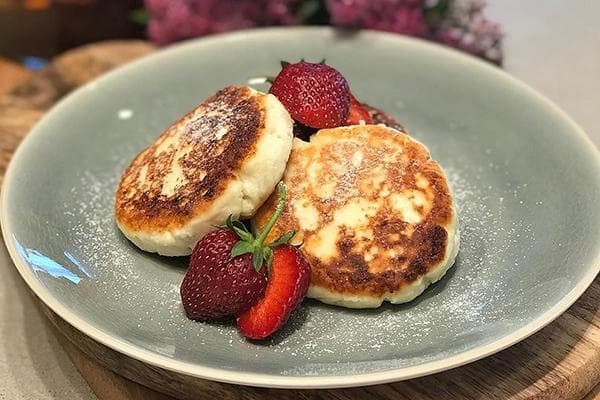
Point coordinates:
pixel 318 335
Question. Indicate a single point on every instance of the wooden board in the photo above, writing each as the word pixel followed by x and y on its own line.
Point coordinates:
pixel 594 394
pixel 562 361
pixel 11 75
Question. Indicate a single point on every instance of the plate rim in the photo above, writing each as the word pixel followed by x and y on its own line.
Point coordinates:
pixel 281 381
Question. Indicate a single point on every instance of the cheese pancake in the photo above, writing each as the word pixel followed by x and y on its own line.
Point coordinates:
pixel 373 214
pixel 224 157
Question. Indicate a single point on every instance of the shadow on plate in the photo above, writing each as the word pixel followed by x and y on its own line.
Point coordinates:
pixel 297 319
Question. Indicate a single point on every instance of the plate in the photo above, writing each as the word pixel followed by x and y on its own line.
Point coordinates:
pixel 525 178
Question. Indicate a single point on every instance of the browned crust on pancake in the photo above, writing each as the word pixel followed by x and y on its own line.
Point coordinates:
pixel 210 165
pixel 351 275
pixel 420 246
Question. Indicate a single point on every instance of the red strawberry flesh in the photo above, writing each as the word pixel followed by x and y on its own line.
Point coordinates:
pixel 216 285
pixel 286 287
pixel 357 113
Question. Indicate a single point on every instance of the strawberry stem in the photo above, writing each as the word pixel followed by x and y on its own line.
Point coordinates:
pixel 247 243
pixel 278 210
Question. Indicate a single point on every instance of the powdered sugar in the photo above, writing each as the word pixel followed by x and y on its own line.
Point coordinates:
pixel 468 301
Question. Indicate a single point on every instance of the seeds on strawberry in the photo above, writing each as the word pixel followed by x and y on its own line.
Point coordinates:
pixel 315 95
pixel 216 285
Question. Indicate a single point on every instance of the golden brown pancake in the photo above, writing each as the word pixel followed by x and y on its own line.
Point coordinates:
pixel 225 157
pixel 373 213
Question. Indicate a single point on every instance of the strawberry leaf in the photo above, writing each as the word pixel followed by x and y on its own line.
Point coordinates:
pixel 283 239
pixel 284 63
pixel 248 244
pixel 243 234
pixel 237 223
pixel 239 228
pixel 257 258
pixel 268 255
pixel 241 248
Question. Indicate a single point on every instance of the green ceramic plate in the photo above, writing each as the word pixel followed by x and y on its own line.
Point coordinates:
pixel 525 177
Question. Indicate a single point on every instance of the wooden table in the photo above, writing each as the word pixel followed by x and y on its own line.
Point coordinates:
pixel 562 361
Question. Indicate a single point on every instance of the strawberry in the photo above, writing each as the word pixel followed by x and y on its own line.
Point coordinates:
pixel 227 271
pixel 315 95
pixel 287 285
pixel 357 113
pixel 216 285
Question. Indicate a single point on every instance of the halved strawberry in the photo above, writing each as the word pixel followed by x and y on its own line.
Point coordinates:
pixel 286 287
pixel 357 113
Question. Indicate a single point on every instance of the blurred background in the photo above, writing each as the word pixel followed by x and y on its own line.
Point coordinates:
pixel 44 28
pixel 553 45
pixel 32 32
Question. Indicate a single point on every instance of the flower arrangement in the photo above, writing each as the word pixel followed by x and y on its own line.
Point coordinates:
pixel 457 23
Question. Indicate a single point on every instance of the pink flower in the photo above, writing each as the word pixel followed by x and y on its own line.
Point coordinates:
pixel 400 16
pixel 456 23
pixel 465 27
pixel 461 25
pixel 172 20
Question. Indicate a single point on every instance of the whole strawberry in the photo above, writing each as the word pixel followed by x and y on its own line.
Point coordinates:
pixel 216 285
pixel 315 95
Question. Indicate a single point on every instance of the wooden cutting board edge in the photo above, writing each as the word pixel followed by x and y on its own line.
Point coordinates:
pixel 562 361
